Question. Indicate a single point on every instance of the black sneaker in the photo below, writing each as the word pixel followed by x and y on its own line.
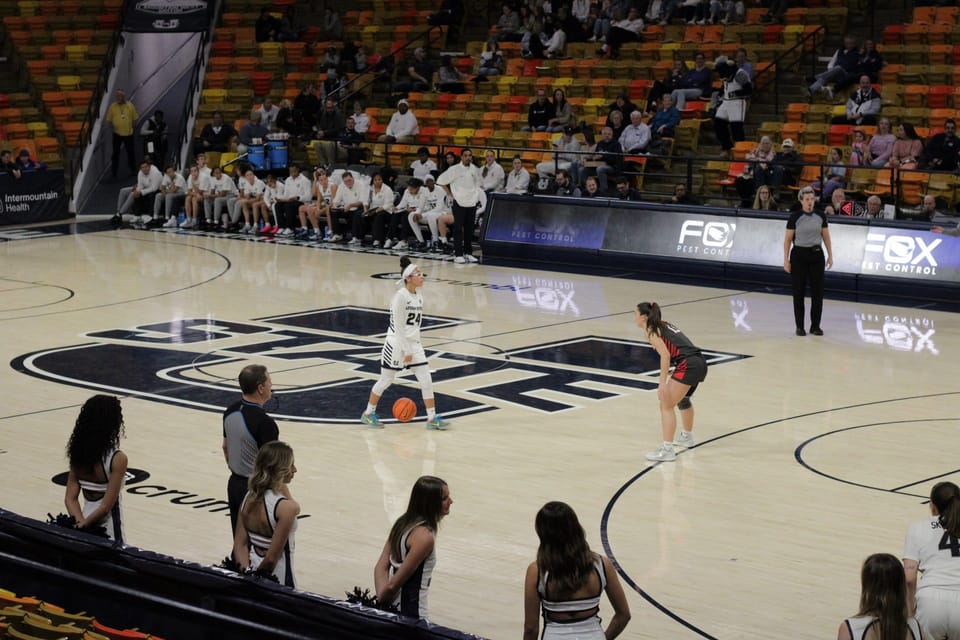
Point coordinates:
pixel 116 221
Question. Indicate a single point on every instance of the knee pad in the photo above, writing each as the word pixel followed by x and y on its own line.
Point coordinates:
pixel 386 379
pixel 425 380
pixel 684 404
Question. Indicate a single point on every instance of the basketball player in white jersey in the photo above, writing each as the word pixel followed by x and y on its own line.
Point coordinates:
pixel 402 349
pixel 933 548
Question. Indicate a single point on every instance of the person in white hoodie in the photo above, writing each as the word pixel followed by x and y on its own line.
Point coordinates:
pixel 139 198
pixel 173 193
pixel 220 196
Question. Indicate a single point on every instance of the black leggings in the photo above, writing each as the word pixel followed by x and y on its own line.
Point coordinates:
pixel 807 265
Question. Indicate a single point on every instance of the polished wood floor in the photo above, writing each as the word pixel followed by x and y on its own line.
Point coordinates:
pixel 812 452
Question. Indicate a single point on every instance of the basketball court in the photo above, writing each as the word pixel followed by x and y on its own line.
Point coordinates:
pixel 811 452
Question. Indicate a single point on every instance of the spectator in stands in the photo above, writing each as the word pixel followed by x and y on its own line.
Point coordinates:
pixel 881 145
pixel 835 176
pixel 269 113
pixel 491 61
pixel 285 122
pixel 215 136
pixel 908 148
pixel 219 199
pixel 451 79
pixel 664 87
pixel 331 59
pixel 332 88
pixel 875 207
pixel 380 208
pixel 193 203
pixel 563 115
pixel 566 185
pixel 943 149
pixel 518 180
pixel 764 200
pixel 268 518
pixel 251 133
pixel 870 62
pixel 552 42
pixel 345 146
pixel 408 557
pixel 786 165
pixel 841 70
pixel 694 84
pixel 7 165
pixel 654 12
pixel 361 62
pixel 591 188
pixel 330 124
pixel 610 154
pixel 153 133
pixel 449 160
pixel 305 108
pixel 616 121
pixel 330 26
pixel 122 117
pixel 98 467
pixel 297 190
pixel 757 172
pixel 623 105
pixel 139 198
pixel 420 74
pixel 578 24
pixel 858 148
pixel 171 197
pixel 491 174
pixel 423 165
pixel 531 25
pixel 636 135
pixel 403 125
pixel 564 157
pixel 398 226
pixel 351 199
pixel 540 113
pixel 361 121
pixel 743 62
pixel 625 191
pixel 626 30
pixel 291 27
pixel 928 208
pixel 508 24
pixel 839 204
pixel 863 106
pixel 727 12
pixel 266 27
pixel 664 122
pixel 682 196
pixel 24 163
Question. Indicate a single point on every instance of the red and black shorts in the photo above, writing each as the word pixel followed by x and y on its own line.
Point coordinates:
pixel 692 371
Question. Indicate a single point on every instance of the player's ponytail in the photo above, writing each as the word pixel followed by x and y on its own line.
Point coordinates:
pixel 404 261
pixel 655 322
pixel 945 496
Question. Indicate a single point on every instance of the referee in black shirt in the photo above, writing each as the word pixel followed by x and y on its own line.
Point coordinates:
pixel 246 428
pixel 808 234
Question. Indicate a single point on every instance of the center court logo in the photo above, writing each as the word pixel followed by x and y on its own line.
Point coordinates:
pixel 324 362
pixel 711 238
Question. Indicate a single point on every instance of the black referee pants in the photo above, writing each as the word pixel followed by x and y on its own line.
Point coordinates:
pixel 807 265
pixel 236 490
pixel 463 221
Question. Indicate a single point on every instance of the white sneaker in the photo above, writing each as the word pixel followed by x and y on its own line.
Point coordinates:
pixel 246 228
pixel 145 220
pixel 471 258
pixel 286 232
pixel 336 237
pixel 683 439
pixel 701 22
pixel 400 246
pixel 376 244
pixel 388 244
pixel 663 454
pixel 354 242
pixel 170 223
pixel 460 260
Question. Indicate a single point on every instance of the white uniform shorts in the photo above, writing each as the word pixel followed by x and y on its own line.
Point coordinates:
pixel 938 612
pixel 732 110
pixel 391 357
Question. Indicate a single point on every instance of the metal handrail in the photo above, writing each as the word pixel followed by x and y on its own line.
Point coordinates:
pixel 775 66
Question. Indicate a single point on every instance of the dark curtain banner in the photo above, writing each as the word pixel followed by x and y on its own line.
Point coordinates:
pixel 167 16
pixel 34 197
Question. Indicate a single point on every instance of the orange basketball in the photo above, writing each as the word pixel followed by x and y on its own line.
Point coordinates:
pixel 404 409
